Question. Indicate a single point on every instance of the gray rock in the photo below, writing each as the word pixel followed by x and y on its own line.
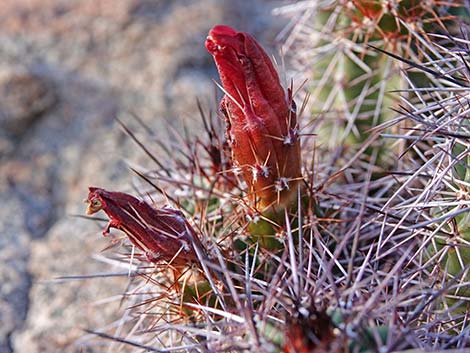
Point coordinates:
pixel 62 309
pixel 24 97
pixel 14 277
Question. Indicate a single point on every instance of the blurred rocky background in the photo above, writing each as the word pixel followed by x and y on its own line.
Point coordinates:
pixel 68 69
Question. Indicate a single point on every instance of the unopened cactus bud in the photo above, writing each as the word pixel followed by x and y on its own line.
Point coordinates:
pixel 262 125
pixel 163 234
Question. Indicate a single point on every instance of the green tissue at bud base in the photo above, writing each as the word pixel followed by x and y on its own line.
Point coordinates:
pixel 454 265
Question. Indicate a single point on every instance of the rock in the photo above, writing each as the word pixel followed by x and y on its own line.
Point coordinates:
pixel 14 276
pixel 63 309
pixel 24 97
pixel 181 93
pixel 40 179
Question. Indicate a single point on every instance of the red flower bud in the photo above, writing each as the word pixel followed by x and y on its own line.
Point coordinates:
pixel 261 120
pixel 163 234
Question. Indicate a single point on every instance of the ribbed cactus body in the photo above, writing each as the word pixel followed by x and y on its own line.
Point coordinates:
pixel 351 83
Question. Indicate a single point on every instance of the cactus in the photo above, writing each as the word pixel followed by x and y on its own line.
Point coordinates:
pixel 333 46
pixel 437 188
pixel 361 264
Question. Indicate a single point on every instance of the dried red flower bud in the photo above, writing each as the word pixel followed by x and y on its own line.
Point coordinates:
pixel 261 120
pixel 163 234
